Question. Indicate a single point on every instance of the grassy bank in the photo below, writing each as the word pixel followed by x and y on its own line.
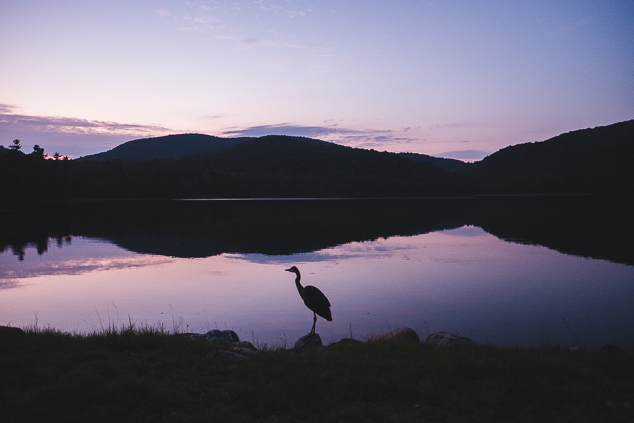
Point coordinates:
pixel 149 375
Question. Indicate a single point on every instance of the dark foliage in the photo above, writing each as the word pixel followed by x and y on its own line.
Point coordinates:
pixel 590 226
pixel 278 166
pixel 587 161
pixel 446 164
pixel 167 147
pixel 273 166
pixel 597 160
pixel 147 375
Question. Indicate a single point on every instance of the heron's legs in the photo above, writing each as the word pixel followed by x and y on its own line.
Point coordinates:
pixel 312 331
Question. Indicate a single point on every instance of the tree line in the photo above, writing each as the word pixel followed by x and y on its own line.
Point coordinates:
pixel 272 166
pixel 597 160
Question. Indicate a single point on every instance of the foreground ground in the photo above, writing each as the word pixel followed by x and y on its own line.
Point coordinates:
pixel 150 376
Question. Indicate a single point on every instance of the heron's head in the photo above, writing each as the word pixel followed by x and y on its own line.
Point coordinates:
pixel 293 269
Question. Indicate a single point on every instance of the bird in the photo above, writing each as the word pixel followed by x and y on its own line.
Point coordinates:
pixel 314 299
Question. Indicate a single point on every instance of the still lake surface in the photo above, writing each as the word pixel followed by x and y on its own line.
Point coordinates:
pixel 508 271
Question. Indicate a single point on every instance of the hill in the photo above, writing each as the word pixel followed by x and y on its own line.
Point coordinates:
pixel 272 166
pixel 332 170
pixel 594 160
pixel 171 147
pixel 451 165
pixel 180 145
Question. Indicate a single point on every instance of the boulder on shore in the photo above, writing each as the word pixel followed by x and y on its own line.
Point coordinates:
pixel 446 339
pixel 398 334
pixel 10 330
pixel 227 336
pixel 312 341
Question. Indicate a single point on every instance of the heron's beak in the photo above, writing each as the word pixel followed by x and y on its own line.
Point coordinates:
pixel 287 270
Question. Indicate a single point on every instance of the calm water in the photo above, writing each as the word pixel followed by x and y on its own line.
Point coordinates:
pixel 430 273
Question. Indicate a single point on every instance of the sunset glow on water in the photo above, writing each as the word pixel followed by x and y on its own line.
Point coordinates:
pixel 462 280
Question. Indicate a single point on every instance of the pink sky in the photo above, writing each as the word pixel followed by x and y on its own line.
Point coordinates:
pixel 457 79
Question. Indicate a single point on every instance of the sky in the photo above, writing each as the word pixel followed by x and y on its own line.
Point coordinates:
pixel 457 79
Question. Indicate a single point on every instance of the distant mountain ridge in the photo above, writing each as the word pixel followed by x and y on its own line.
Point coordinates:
pixel 180 145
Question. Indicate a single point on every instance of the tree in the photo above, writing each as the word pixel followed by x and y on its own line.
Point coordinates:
pixel 15 146
pixel 38 152
pixel 57 156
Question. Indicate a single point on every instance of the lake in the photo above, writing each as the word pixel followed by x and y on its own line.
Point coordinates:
pixel 501 270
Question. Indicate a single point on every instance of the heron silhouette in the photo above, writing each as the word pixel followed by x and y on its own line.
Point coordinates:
pixel 314 299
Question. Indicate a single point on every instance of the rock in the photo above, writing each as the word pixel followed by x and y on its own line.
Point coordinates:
pixel 398 334
pixel 245 345
pixel 216 335
pixel 10 330
pixel 446 339
pixel 309 342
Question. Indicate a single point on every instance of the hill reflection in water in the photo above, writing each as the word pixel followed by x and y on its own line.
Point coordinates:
pixel 588 226
pixel 427 264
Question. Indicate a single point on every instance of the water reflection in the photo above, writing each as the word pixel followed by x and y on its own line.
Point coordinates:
pixel 424 269
pixel 80 256
pixel 588 226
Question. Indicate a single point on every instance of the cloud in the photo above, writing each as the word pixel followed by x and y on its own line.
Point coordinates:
pixel 377 248
pixel 368 138
pixel 286 129
pixel 446 125
pixel 162 12
pixel 225 21
pixel 14 271
pixel 73 137
pixel 248 42
pixel 7 108
pixel 278 7
pixel 63 125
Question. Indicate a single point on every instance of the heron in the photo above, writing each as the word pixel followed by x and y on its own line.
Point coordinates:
pixel 314 299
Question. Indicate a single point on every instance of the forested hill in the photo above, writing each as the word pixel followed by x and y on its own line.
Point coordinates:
pixel 170 146
pixel 595 160
pixel 174 147
pixel 180 145
pixel 273 166
pixel 452 165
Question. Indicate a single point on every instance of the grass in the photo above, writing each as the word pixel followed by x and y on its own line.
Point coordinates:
pixel 149 375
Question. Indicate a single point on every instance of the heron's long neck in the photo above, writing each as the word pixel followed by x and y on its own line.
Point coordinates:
pixel 300 288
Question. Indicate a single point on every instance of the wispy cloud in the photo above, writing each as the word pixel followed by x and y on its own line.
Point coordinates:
pixel 369 138
pixel 12 121
pixel 287 7
pixel 446 125
pixel 162 12
pixel 13 271
pixel 225 21
pixel 285 129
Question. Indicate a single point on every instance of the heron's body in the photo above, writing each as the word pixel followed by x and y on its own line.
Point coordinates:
pixel 314 299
